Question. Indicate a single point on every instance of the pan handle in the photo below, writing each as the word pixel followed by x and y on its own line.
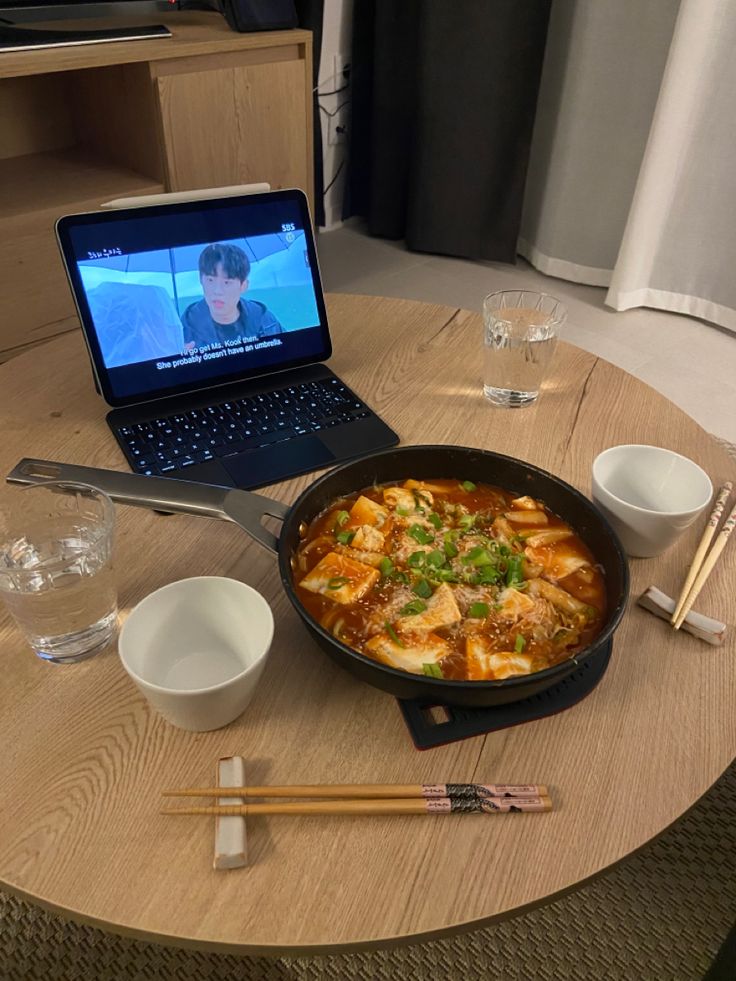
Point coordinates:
pixel 160 493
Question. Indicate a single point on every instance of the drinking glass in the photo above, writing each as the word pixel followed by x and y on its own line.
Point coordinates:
pixel 56 574
pixel 520 335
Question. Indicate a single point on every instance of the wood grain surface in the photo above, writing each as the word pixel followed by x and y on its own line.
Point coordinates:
pixel 84 758
pixel 192 33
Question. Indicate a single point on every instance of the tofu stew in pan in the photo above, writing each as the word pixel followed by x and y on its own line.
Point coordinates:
pixel 450 579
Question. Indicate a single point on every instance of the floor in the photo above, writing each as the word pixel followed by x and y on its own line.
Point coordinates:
pixel 689 361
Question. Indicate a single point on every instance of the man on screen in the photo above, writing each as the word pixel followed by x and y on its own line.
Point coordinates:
pixel 224 314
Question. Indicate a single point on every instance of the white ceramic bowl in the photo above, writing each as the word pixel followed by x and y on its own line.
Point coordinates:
pixel 649 494
pixel 197 648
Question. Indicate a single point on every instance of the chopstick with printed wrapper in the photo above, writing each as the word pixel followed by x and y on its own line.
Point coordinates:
pixel 416 805
pixel 710 530
pixel 707 566
pixel 453 791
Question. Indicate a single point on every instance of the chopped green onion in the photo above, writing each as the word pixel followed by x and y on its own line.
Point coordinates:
pixel 341 518
pixel 413 608
pixel 590 613
pixel 478 556
pixel 450 549
pixel 423 589
pixel 393 635
pixel 432 670
pixel 435 520
pixel 468 485
pixel 441 575
pixel 435 558
pixel 404 512
pixel 478 611
pixel 466 521
pixel 401 577
pixel 416 559
pixel 420 535
pixel 487 574
pixel 520 644
pixel 345 537
pixel 337 581
pixel 386 566
pixel 514 572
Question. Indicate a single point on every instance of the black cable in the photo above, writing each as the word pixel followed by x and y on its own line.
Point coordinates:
pixel 337 174
pixel 333 114
pixel 334 91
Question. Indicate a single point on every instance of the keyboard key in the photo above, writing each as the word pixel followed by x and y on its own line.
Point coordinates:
pixel 145 468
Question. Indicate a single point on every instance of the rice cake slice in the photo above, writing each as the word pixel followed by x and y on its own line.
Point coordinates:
pixel 558 560
pixel 340 578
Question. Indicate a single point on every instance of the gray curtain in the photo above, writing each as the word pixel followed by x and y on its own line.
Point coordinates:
pixel 444 96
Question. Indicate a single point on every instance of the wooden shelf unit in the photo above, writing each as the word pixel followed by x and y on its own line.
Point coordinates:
pixel 205 108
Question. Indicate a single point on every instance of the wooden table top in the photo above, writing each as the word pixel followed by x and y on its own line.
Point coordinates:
pixel 84 758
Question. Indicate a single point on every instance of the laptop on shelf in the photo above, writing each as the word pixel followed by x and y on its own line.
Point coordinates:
pixel 206 327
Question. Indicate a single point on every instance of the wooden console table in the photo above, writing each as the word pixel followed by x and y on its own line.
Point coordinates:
pixel 205 108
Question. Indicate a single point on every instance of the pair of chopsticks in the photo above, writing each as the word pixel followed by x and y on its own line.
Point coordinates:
pixel 702 564
pixel 468 798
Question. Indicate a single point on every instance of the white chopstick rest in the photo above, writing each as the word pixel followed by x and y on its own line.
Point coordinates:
pixel 231 850
pixel 700 626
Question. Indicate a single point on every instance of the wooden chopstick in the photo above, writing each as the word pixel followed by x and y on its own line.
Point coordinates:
pixel 710 530
pixel 707 567
pixel 435 805
pixel 372 790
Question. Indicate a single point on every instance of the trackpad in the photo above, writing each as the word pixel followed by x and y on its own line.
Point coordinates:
pixel 272 463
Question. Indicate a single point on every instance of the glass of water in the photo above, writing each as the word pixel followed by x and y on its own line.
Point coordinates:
pixel 520 334
pixel 56 574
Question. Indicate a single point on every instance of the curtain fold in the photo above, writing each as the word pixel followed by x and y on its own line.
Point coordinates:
pixel 633 161
pixel 679 246
pixel 443 107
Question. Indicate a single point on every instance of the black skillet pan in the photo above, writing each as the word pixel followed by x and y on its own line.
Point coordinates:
pixel 394 465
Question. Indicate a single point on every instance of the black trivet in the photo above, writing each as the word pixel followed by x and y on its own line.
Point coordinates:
pixel 432 726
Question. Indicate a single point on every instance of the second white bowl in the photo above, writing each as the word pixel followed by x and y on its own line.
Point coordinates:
pixel 197 648
pixel 649 494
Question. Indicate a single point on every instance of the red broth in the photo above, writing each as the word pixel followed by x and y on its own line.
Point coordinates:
pixel 450 579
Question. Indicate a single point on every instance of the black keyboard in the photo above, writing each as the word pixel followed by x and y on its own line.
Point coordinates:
pixel 172 443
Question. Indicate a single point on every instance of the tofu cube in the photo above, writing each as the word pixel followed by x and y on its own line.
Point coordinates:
pixel 367 512
pixel 411 653
pixel 442 611
pixel 340 578
pixel 483 664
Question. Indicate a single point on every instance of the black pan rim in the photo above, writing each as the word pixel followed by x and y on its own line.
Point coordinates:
pixel 441 685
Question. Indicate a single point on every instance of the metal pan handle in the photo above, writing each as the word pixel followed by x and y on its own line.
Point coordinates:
pixel 162 494
pixel 128 488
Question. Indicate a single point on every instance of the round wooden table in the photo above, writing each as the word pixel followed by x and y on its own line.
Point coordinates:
pixel 84 759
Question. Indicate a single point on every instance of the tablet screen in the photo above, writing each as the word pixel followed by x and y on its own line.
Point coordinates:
pixel 180 297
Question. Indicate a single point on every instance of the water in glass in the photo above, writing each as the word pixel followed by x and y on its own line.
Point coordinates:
pixel 57 580
pixel 519 343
